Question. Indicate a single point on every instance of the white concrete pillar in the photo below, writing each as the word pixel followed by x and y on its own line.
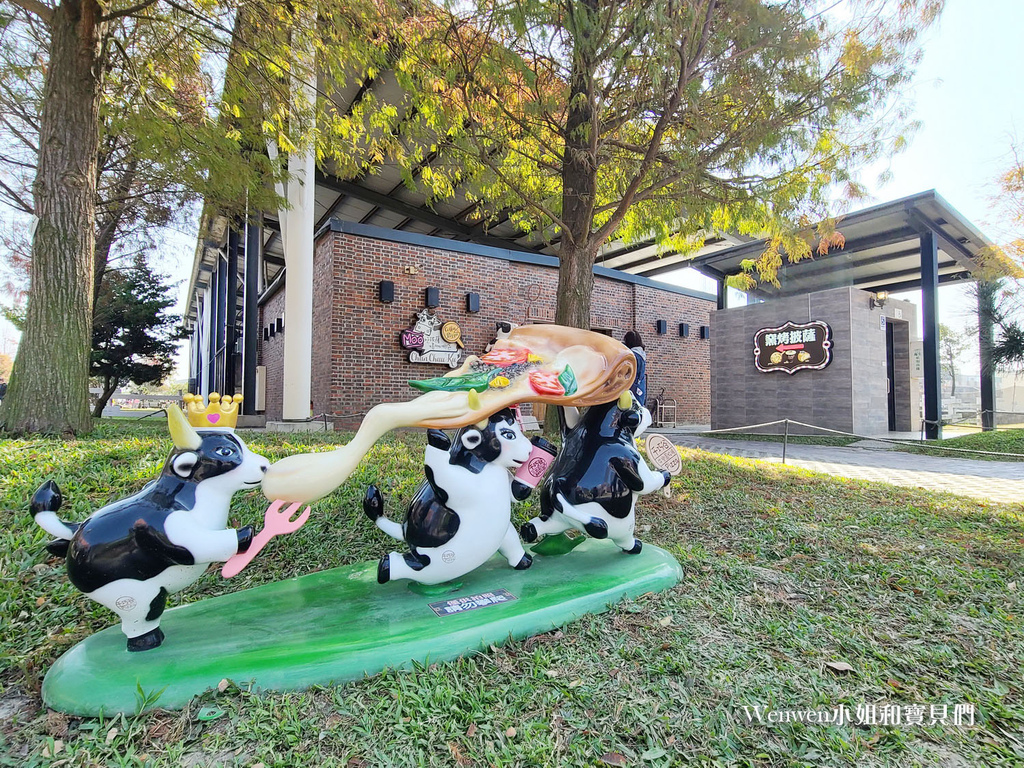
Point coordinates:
pixel 297 237
pixel 298 300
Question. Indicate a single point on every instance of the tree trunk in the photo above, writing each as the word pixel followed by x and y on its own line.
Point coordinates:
pixel 575 286
pixel 109 388
pixel 49 388
pixel 579 177
pixel 986 317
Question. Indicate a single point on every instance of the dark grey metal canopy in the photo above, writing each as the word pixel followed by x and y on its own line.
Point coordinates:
pixel 882 251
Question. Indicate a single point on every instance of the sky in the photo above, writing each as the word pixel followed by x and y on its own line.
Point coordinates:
pixel 968 95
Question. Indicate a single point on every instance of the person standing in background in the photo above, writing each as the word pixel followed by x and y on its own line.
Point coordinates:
pixel 636 346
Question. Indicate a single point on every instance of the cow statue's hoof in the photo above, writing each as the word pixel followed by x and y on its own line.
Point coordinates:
pixel 373 503
pixel 146 642
pixel 528 533
pixel 384 570
pixel 636 549
pixel 525 562
pixel 597 528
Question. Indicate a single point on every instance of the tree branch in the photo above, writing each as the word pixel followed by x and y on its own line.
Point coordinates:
pixel 129 11
pixel 36 8
pixel 20 203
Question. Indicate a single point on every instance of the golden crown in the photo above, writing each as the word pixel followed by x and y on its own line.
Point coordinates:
pixel 222 412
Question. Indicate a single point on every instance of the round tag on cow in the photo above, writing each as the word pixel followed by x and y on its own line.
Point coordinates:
pixel 663 454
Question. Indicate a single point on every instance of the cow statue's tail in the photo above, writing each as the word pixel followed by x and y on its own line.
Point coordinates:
pixel 373 506
pixel 44 505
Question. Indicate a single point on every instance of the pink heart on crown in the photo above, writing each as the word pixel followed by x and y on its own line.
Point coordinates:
pixel 214 418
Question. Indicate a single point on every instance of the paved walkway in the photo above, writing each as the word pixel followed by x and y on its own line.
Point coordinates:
pixel 1001 481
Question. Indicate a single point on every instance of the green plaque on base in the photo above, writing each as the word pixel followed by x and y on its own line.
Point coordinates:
pixel 340 625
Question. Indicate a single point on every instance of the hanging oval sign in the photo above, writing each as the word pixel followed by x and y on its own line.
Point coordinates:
pixel 793 347
pixel 663 454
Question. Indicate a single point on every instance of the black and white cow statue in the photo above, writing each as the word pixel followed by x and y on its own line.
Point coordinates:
pixel 596 478
pixel 462 513
pixel 131 554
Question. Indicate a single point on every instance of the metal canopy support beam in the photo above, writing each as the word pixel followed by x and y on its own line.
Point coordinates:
pixel 815 269
pixel 411 212
pixel 205 341
pixel 895 276
pixel 231 309
pixel 251 316
pixel 415 173
pixel 329 213
pixel 395 206
pixel 219 324
pixel 711 272
pixel 930 316
pixel 755 249
pixel 723 294
pixel 957 250
pixel 908 285
pixel 986 312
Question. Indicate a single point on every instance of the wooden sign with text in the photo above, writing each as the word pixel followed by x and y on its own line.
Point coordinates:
pixel 793 347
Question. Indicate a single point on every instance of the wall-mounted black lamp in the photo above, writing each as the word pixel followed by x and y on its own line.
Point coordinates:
pixel 266 333
pixel 662 326
pixel 386 291
pixel 684 330
pixel 433 297
pixel 472 302
pixel 280 325
pixel 273 330
pixel 705 331
pixel 878 299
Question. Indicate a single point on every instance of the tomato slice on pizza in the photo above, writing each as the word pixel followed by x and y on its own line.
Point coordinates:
pixel 505 357
pixel 546 382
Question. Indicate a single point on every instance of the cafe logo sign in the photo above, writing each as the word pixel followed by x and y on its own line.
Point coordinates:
pixel 793 347
pixel 432 341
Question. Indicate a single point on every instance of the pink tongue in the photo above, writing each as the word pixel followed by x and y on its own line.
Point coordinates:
pixel 214 418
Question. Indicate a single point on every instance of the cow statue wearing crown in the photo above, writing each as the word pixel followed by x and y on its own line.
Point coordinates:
pixel 131 554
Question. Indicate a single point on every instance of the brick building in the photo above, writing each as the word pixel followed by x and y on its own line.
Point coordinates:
pixel 357 360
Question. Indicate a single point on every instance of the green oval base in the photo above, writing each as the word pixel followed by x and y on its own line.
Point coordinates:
pixel 340 625
pixel 432 590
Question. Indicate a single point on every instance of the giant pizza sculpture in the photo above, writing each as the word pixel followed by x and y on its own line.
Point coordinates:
pixel 536 363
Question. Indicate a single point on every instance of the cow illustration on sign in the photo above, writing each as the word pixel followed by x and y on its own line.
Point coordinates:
pixel 431 341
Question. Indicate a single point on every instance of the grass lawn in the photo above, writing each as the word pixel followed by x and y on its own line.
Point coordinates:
pixel 787 572
pixel 999 441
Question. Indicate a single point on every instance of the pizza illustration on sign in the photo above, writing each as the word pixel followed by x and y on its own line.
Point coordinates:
pixel 793 347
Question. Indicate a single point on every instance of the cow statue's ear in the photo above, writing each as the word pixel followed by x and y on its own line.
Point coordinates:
pixel 471 438
pixel 184 463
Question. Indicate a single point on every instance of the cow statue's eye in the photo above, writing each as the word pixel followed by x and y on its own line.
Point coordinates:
pixel 224 451
pixel 508 434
